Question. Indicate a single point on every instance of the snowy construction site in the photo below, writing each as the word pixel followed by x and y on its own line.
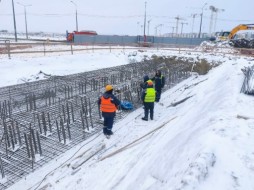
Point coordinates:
pixel 41 120
pixel 51 124
pixel 130 95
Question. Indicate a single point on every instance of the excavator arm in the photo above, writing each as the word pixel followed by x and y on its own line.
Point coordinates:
pixel 240 27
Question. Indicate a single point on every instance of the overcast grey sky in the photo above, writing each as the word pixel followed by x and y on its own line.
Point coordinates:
pixel 123 17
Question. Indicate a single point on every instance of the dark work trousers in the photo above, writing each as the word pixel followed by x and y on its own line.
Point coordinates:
pixel 148 106
pixel 108 122
pixel 158 95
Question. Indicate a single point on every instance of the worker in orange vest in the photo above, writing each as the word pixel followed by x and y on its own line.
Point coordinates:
pixel 108 106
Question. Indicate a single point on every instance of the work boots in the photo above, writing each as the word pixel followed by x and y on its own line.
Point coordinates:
pixel 144 118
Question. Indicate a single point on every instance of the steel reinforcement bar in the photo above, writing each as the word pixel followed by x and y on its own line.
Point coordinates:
pixel 43 119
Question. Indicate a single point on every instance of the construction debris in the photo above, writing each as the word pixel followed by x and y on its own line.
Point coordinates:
pixel 248 83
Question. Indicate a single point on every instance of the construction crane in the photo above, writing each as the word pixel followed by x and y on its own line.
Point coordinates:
pixel 177 22
pixel 217 10
pixel 213 10
pixel 156 27
pixel 182 23
pixel 193 20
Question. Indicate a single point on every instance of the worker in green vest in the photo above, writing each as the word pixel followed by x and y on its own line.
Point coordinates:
pixel 148 98
pixel 159 81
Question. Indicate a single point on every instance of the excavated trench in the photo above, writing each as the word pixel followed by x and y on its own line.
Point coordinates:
pixel 41 120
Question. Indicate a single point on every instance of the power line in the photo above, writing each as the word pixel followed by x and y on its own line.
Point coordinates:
pixel 230 20
pixel 90 15
pixel 113 16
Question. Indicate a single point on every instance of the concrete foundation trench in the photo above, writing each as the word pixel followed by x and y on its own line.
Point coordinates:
pixel 41 120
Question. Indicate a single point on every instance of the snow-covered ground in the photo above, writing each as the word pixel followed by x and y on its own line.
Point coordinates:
pixel 38 35
pixel 204 143
pixel 30 67
pixel 22 68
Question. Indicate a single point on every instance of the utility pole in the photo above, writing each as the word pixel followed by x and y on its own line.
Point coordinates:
pixel 25 16
pixel 137 28
pixel 193 20
pixel 201 17
pixel 76 15
pixel 14 21
pixel 173 28
pixel 177 21
pixel 145 24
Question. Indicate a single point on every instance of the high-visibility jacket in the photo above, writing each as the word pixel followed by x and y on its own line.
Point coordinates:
pixel 159 82
pixel 150 95
pixel 107 105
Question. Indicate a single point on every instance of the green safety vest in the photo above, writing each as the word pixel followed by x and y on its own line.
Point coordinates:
pixel 160 78
pixel 150 95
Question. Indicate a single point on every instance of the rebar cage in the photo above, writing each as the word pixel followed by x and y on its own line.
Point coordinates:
pixel 43 119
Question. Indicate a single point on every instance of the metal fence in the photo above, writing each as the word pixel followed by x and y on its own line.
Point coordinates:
pixel 123 40
pixel 46 48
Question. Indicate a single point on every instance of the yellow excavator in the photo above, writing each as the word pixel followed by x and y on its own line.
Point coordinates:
pixel 230 35
pixel 240 27
pixel 234 41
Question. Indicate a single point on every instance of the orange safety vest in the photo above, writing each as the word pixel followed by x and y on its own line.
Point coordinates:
pixel 107 105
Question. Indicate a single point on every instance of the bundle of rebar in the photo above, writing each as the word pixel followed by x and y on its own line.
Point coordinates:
pixel 248 83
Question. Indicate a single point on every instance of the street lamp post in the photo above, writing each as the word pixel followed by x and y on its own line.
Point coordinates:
pixel 76 15
pixel 14 21
pixel 25 16
pixel 201 15
pixel 148 26
pixel 138 28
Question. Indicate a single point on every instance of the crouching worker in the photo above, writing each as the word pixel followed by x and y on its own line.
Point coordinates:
pixel 148 98
pixel 144 84
pixel 108 106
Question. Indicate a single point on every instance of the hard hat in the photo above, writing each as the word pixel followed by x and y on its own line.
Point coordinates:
pixel 146 78
pixel 108 88
pixel 150 83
